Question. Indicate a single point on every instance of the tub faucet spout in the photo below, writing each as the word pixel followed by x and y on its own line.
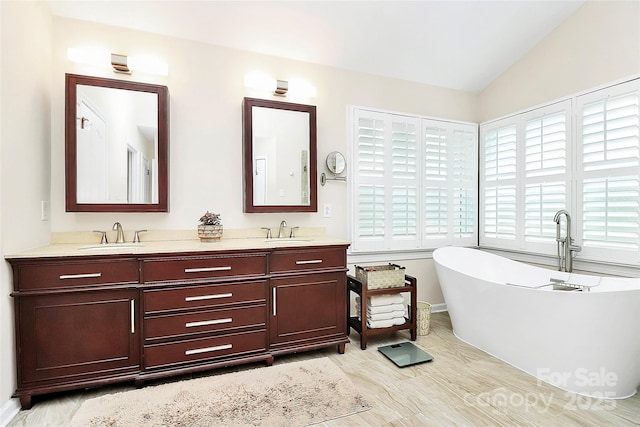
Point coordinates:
pixel 565 245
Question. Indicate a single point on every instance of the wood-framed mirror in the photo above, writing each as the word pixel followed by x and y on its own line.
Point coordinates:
pixel 279 150
pixel 116 145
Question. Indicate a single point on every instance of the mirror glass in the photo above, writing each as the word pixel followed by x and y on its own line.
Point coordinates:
pixel 336 162
pixel 279 156
pixel 116 146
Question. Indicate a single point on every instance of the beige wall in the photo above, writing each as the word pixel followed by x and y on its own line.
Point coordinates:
pixel 26 29
pixel 206 86
pixel 598 44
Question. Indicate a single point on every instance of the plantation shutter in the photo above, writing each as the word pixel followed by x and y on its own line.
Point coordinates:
pixel 465 184
pixel 415 182
pixel 404 186
pixel 370 197
pixel 499 182
pixel 436 188
pixel 450 158
pixel 609 140
pixel 546 177
pixel 386 181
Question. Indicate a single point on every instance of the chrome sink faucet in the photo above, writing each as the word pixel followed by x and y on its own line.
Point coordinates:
pixel 119 233
pixel 283 225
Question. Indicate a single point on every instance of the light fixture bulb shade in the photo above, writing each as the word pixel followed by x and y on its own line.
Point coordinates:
pixel 96 57
pixel 302 88
pixel 260 81
pixel 148 64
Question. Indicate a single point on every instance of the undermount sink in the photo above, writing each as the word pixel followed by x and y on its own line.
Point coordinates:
pixel 286 240
pixel 108 247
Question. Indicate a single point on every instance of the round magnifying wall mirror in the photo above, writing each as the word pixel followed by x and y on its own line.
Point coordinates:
pixel 336 162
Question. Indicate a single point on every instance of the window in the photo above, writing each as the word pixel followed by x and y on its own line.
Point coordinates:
pixel 536 163
pixel 609 186
pixel 415 182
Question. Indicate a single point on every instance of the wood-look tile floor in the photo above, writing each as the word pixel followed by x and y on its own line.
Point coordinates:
pixel 463 386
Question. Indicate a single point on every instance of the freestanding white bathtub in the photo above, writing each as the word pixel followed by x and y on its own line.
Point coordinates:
pixel 585 340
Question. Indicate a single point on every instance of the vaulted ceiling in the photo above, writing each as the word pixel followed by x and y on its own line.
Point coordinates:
pixel 462 44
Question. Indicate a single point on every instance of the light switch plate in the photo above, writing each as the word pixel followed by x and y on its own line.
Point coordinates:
pixel 44 210
pixel 327 211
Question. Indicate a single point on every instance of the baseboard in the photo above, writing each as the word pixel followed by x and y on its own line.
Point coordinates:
pixel 436 308
pixel 8 411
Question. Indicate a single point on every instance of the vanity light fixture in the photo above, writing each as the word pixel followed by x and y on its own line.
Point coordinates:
pixel 282 86
pixel 102 58
pixel 263 83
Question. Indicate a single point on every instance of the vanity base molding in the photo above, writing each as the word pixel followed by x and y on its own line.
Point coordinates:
pixel 89 321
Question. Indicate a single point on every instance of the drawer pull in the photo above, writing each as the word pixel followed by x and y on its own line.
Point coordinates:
pixel 311 261
pixel 208 322
pixel 204 297
pixel 208 349
pixel 206 269
pixel 79 276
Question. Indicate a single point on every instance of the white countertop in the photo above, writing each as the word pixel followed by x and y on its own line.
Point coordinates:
pixel 171 246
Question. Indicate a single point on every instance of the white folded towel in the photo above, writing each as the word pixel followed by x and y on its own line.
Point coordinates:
pixel 385 308
pixel 387 299
pixel 386 316
pixel 382 308
pixel 374 324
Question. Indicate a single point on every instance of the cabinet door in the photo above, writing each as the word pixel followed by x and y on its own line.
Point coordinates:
pixel 305 308
pixel 78 336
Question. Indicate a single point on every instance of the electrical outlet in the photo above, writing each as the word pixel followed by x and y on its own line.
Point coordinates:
pixel 44 210
pixel 326 211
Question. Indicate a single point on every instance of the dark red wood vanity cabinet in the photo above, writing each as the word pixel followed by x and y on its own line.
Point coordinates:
pixel 87 321
pixel 308 299
pixel 77 324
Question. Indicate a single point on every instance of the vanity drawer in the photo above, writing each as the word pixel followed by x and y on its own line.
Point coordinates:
pixel 204 267
pixel 192 297
pixel 79 273
pixel 312 259
pixel 159 355
pixel 205 321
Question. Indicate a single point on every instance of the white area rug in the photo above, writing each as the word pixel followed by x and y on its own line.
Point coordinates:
pixel 292 394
